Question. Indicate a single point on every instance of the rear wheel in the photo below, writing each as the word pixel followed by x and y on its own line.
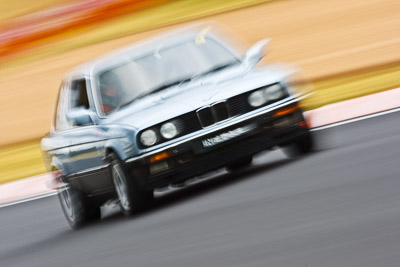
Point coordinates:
pixel 131 198
pixel 76 207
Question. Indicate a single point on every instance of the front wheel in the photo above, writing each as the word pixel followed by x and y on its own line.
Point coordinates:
pixel 131 198
pixel 76 208
pixel 301 146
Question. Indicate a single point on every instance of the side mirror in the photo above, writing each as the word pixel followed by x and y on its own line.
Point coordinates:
pixel 81 116
pixel 255 53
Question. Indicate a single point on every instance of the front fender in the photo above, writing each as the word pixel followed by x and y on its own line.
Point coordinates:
pixel 124 147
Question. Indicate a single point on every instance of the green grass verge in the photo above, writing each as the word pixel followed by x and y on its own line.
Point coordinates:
pixel 20 161
pixel 347 86
pixel 23 160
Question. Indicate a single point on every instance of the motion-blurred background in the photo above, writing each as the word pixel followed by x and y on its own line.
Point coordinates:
pixel 347 48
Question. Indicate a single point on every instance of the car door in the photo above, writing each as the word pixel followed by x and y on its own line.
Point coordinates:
pixel 87 146
pixel 56 145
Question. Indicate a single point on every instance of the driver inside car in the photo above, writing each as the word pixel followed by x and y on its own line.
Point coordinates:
pixel 110 92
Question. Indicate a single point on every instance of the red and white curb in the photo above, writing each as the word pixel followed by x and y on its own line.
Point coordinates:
pixel 321 118
pixel 25 190
pixel 354 109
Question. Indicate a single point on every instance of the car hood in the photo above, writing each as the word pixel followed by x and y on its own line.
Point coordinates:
pixel 190 96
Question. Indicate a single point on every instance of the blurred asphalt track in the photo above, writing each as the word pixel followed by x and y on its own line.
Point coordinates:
pixel 340 206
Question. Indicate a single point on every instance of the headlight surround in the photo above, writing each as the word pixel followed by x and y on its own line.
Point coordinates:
pixel 274 92
pixel 148 137
pixel 168 130
pixel 262 96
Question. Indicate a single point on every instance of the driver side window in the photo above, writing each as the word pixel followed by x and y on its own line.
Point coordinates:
pixel 79 96
pixel 72 95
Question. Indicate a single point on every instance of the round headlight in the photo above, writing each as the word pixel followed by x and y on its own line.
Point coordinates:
pixel 148 138
pixel 274 92
pixel 168 130
pixel 257 98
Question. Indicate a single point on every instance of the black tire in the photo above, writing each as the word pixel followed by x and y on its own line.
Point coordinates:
pixel 76 207
pixel 240 164
pixel 131 198
pixel 301 146
pixel 93 211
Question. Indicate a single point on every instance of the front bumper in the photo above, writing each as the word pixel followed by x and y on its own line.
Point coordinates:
pixel 218 148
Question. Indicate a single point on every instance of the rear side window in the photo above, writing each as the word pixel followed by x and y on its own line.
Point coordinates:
pixel 60 118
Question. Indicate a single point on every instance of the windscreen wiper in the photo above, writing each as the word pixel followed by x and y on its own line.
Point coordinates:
pixel 215 69
pixel 166 85
pixel 179 82
pixel 157 89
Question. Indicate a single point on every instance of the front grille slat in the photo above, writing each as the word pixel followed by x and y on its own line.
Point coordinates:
pixel 238 105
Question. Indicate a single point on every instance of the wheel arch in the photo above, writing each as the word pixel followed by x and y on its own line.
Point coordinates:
pixel 121 147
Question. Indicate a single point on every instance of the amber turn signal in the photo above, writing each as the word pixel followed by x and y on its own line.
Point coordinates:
pixel 159 156
pixel 285 111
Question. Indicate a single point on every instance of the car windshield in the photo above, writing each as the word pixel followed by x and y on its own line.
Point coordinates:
pixel 164 67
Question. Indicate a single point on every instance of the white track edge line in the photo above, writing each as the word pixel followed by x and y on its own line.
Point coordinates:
pixel 28 199
pixel 380 113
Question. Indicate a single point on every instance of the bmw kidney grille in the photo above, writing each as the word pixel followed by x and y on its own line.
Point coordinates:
pixel 210 115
